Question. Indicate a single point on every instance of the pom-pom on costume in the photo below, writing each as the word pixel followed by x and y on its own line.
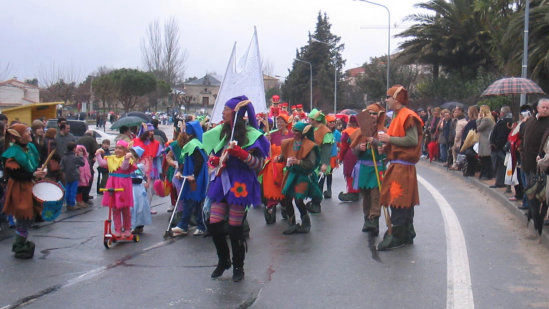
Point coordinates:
pixel 234 185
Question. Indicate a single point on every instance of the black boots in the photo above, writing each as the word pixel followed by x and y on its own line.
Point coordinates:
pixel 270 214
pixel 238 245
pixel 220 242
pixel 22 248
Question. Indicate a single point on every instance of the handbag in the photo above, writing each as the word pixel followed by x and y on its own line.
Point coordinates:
pixel 536 188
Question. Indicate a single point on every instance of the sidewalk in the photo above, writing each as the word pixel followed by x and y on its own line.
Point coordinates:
pixel 498 194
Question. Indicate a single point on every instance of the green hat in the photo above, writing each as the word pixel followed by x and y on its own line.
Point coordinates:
pixel 317 115
pixel 305 129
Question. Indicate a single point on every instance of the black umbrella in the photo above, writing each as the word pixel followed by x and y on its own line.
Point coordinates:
pixel 451 105
pixel 128 121
pixel 141 115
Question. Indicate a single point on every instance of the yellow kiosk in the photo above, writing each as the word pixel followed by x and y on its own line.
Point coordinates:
pixel 27 113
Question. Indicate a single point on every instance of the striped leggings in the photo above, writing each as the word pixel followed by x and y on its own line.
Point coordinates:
pixel 218 213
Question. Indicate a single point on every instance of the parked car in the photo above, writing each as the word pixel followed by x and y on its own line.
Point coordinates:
pixel 78 127
pixel 100 136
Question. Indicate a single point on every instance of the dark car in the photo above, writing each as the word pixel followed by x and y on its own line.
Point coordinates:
pixel 78 127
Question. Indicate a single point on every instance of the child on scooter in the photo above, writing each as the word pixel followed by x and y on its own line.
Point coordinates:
pixel 120 165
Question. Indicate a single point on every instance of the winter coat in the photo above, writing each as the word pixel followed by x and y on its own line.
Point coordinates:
pixel 484 128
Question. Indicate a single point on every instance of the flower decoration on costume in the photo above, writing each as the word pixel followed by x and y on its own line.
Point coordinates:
pixel 239 189
pixel 395 190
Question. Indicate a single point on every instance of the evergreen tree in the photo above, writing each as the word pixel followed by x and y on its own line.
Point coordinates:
pixel 325 58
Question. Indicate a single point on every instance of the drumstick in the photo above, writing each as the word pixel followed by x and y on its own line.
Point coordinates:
pixel 48 159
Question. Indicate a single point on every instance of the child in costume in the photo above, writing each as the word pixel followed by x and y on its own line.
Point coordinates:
pixel 120 167
pixel 141 210
pixel 195 169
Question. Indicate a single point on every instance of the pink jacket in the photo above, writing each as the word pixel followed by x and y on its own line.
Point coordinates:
pixel 85 171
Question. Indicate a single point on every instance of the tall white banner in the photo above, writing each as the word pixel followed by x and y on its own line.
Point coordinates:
pixel 244 78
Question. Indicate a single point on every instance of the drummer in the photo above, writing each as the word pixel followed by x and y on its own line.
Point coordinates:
pixel 21 167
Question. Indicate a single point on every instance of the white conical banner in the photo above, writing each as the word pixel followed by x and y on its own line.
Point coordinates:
pixel 244 78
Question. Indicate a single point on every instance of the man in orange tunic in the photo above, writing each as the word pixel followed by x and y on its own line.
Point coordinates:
pixel 399 188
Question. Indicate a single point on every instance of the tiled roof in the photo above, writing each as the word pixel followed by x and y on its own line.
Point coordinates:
pixel 207 80
pixel 16 83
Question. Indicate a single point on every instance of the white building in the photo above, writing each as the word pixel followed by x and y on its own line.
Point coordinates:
pixel 14 93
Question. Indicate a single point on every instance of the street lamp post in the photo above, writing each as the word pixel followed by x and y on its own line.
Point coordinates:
pixel 310 80
pixel 388 36
pixel 524 73
pixel 335 74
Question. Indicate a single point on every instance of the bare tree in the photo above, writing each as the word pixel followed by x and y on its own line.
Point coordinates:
pixel 162 53
pixel 267 67
pixel 55 73
pixel 174 57
pixel 151 48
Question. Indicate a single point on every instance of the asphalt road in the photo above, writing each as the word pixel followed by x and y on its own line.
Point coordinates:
pixel 332 266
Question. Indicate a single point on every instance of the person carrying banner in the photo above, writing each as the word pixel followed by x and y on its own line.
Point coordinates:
pixel 237 151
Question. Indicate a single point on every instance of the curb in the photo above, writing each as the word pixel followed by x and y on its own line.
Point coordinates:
pixel 498 195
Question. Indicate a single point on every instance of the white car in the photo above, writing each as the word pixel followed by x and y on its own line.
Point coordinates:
pixel 100 136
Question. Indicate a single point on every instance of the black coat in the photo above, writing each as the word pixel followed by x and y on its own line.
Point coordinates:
pixel 499 135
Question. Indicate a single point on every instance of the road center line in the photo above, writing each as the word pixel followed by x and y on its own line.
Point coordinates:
pixel 459 289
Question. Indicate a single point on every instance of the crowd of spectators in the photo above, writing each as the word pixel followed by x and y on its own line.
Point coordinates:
pixel 491 145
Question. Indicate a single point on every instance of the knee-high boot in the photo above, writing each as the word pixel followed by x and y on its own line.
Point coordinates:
pixel 305 219
pixel 220 242
pixel 239 251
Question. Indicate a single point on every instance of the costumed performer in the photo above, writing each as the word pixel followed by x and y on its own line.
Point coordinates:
pixel 195 169
pixel 141 210
pixel 302 157
pixel 399 190
pixel 120 166
pixel 349 158
pixel 273 172
pixel 324 139
pixel 149 159
pixel 21 168
pixel 234 185
pixel 364 172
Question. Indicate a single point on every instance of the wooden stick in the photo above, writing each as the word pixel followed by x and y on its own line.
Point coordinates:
pixel 48 159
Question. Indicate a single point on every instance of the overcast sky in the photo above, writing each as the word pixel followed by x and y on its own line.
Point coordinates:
pixel 80 36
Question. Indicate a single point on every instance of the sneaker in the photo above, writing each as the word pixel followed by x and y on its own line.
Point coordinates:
pixel 171 209
pixel 198 232
pixel 177 231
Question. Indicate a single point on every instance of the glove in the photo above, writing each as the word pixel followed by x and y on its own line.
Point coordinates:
pixel 238 152
pixel 213 161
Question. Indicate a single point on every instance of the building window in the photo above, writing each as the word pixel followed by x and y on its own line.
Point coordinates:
pixel 205 101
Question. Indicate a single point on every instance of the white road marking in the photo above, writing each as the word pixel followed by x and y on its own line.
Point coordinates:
pixel 459 289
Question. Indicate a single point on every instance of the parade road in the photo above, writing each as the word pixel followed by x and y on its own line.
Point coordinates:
pixel 470 251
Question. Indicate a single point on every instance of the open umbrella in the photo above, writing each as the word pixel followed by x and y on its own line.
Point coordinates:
pixel 141 115
pixel 512 85
pixel 451 105
pixel 348 112
pixel 128 121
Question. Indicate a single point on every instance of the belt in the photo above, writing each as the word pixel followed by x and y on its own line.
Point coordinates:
pixel 120 175
pixel 401 162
